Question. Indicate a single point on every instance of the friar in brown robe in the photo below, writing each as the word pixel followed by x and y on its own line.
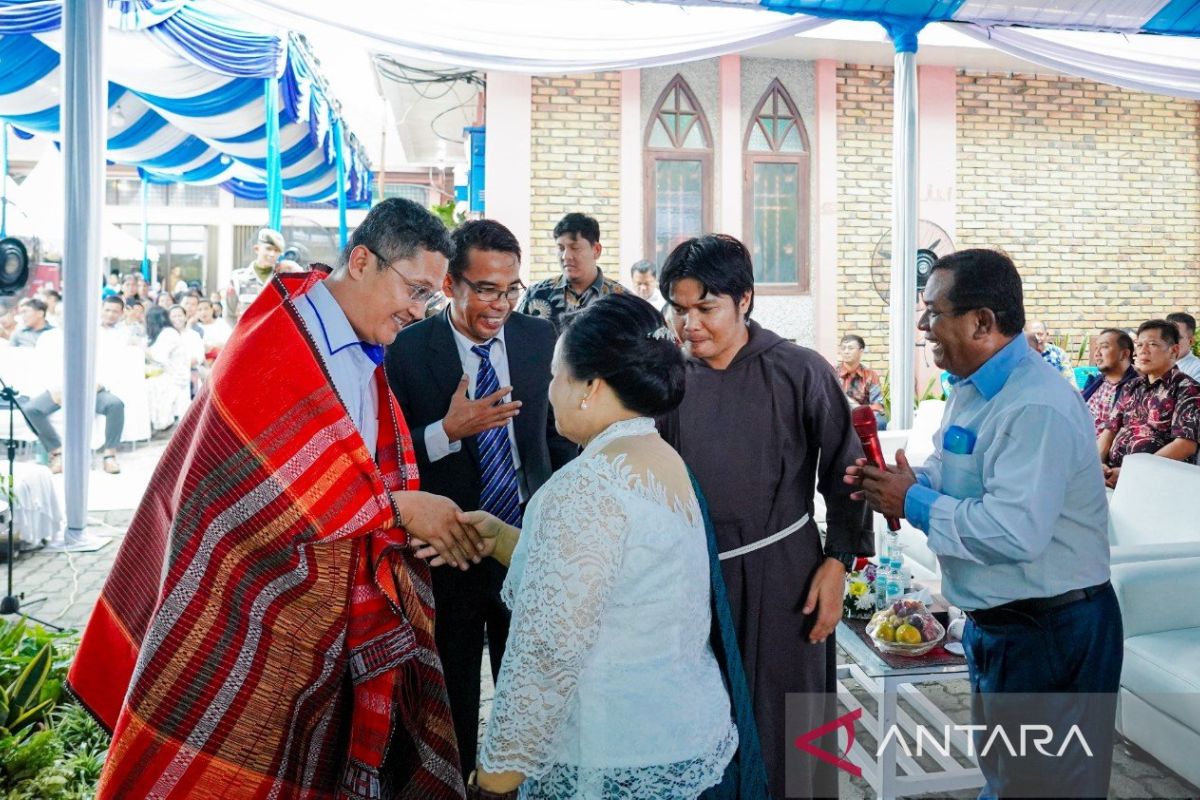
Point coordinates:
pixel 760 436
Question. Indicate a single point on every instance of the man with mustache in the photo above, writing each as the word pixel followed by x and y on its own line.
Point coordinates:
pixel 1012 501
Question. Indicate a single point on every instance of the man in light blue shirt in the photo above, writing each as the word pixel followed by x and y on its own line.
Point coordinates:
pixel 1014 506
pixel 350 362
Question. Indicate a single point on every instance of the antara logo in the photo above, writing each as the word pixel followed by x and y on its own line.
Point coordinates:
pixel 1039 736
pixel 804 742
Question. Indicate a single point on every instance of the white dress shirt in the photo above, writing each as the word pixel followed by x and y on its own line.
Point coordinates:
pixel 1189 365
pixel 353 372
pixel 437 443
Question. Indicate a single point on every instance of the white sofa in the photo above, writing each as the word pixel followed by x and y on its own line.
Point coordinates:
pixel 918 446
pixel 1149 517
pixel 1159 708
pixel 1153 511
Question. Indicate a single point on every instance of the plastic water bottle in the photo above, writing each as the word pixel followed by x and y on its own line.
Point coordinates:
pixel 891 544
pixel 881 580
pixel 898 572
pixel 893 589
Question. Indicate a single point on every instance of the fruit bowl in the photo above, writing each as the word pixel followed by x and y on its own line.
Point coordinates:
pixel 906 628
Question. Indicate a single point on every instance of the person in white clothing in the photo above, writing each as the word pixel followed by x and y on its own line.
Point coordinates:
pixel 193 341
pixel 216 331
pixel 168 370
pixel 1187 361
pixel 609 686
pixel 645 284
pixel 39 408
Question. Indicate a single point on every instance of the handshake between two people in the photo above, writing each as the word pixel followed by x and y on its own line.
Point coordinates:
pixel 442 532
pixel 883 489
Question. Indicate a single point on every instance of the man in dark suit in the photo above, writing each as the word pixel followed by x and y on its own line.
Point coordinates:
pixel 472 382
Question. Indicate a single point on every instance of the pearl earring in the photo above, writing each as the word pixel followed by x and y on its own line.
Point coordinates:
pixel 583 406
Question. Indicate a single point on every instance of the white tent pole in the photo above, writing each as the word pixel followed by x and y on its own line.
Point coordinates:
pixel 84 129
pixel 902 334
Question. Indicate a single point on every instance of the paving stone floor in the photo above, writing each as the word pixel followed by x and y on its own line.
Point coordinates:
pixel 71 582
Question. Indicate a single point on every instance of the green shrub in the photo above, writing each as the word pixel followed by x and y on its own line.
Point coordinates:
pixel 50 747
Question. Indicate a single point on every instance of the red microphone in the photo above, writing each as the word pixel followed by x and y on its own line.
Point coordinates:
pixel 863 419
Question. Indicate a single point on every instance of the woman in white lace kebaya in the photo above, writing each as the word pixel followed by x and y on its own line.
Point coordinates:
pixel 609 687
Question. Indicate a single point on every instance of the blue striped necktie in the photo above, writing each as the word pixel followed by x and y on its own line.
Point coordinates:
pixel 498 493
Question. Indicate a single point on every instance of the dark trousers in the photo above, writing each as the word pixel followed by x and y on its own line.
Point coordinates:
pixel 464 618
pixel 39 409
pixel 1060 668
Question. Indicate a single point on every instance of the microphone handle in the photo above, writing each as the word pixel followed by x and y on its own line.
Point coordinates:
pixel 874 453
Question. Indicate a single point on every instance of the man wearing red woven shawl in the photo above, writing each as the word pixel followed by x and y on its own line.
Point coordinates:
pixel 266 631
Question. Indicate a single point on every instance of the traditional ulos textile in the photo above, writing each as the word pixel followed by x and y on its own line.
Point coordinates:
pixel 266 631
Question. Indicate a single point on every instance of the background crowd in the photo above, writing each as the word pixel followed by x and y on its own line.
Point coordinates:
pixel 1142 387
pixel 549 426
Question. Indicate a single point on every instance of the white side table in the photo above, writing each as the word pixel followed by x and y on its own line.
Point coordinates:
pixel 894 773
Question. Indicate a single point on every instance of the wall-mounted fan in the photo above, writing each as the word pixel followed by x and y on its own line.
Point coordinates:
pixel 932 243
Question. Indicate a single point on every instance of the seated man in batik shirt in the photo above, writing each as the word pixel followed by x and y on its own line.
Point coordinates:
pixel 1114 359
pixel 861 384
pixel 1159 411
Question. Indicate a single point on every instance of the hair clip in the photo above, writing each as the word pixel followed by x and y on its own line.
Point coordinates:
pixel 662 333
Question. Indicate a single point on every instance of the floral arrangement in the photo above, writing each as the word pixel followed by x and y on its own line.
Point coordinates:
pixel 859 600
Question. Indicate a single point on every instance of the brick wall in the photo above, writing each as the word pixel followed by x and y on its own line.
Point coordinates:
pixel 1093 190
pixel 575 163
pixel 864 133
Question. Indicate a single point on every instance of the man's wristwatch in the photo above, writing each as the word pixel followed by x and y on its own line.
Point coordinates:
pixel 476 793
pixel 848 559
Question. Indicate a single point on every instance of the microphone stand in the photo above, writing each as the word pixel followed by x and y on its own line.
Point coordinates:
pixel 11 603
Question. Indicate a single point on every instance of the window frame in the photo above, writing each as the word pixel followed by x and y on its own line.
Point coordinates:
pixel 651 155
pixel 803 282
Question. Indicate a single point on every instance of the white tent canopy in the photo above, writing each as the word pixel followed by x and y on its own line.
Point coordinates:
pixel 542 37
pixel 536 37
pixel 42 213
pixel 1103 40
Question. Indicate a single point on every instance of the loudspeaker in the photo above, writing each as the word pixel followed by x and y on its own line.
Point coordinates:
pixel 14 265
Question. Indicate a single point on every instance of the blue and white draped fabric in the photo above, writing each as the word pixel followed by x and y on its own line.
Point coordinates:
pixel 1174 17
pixel 186 99
pixel 526 35
pixel 1088 38
pixel 1095 39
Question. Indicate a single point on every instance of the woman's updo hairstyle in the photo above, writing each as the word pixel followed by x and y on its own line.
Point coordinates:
pixel 624 340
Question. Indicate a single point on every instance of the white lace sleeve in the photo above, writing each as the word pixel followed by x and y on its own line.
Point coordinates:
pixel 575 556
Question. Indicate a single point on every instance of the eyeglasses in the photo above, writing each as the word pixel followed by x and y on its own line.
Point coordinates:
pixel 489 294
pixel 418 294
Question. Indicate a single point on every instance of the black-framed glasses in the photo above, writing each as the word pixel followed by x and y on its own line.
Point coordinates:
pixel 490 294
pixel 416 293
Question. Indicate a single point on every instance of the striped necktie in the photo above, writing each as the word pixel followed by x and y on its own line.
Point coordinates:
pixel 498 493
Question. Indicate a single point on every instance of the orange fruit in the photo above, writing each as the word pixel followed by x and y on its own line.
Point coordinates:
pixel 907 634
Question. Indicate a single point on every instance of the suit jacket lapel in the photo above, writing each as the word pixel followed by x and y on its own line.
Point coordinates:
pixel 522 373
pixel 446 368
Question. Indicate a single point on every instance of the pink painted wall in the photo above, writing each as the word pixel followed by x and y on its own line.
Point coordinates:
pixel 937 148
pixel 825 250
pixel 631 217
pixel 507 160
pixel 728 213
pixel 937 162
